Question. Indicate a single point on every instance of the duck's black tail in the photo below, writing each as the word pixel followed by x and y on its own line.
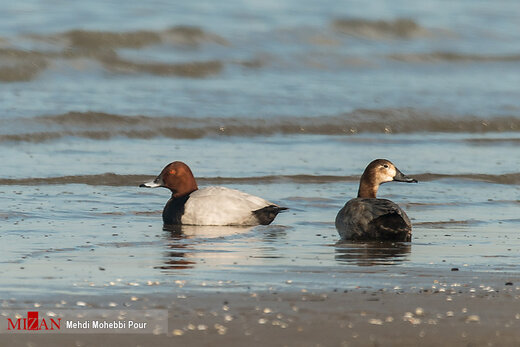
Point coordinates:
pixel 267 214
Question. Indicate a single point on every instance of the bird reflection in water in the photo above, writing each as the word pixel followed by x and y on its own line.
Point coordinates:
pixel 188 244
pixel 272 233
pixel 206 231
pixel 372 253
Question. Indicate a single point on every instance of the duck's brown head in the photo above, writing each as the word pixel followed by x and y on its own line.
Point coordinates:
pixel 378 172
pixel 177 177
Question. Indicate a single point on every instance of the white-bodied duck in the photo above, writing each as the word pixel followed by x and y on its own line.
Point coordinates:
pixel 190 205
pixel 369 218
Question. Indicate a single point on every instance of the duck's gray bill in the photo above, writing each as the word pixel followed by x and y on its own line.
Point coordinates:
pixel 400 177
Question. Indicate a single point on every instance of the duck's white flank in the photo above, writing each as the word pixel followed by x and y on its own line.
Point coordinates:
pixel 222 206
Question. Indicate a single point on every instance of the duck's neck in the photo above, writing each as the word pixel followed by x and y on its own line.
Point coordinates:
pixel 367 188
pixel 184 190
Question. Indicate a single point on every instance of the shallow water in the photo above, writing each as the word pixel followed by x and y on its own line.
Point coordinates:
pixel 285 100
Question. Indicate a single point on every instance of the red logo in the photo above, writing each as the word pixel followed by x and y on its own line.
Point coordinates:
pixel 32 322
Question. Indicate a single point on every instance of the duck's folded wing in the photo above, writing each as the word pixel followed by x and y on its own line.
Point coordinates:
pixel 381 207
pixel 365 218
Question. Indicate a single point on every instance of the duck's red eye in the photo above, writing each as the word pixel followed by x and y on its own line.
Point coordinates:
pixel 172 172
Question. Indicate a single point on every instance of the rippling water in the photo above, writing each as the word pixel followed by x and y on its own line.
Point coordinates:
pixel 287 100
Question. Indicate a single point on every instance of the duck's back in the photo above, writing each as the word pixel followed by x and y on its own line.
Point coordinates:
pixel 373 219
pixel 222 206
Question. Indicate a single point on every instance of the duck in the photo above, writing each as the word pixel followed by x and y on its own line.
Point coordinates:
pixel 367 218
pixel 214 206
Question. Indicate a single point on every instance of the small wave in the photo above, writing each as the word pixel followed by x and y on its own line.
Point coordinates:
pixel 99 40
pixel 448 223
pixel 112 179
pixel 106 179
pixel 104 39
pixel 491 141
pixel 510 178
pixel 190 69
pixel 192 36
pixel 17 65
pixel 376 29
pixel 102 126
pixel 453 57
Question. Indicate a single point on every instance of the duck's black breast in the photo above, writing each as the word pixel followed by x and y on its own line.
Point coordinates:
pixel 373 219
pixel 173 210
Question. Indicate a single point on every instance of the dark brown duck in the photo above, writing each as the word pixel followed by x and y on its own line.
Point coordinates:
pixel 369 218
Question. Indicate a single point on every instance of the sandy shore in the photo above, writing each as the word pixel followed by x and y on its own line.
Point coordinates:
pixel 482 317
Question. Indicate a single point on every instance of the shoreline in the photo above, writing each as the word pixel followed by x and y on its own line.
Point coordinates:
pixel 352 318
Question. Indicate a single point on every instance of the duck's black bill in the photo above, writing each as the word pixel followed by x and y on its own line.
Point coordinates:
pixel 400 177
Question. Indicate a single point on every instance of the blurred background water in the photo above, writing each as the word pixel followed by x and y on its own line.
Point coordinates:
pixel 289 100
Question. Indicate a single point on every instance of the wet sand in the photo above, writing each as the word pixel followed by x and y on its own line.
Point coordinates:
pixel 465 317
pixel 287 102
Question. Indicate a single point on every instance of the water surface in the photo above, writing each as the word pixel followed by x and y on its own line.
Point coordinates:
pixel 286 100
